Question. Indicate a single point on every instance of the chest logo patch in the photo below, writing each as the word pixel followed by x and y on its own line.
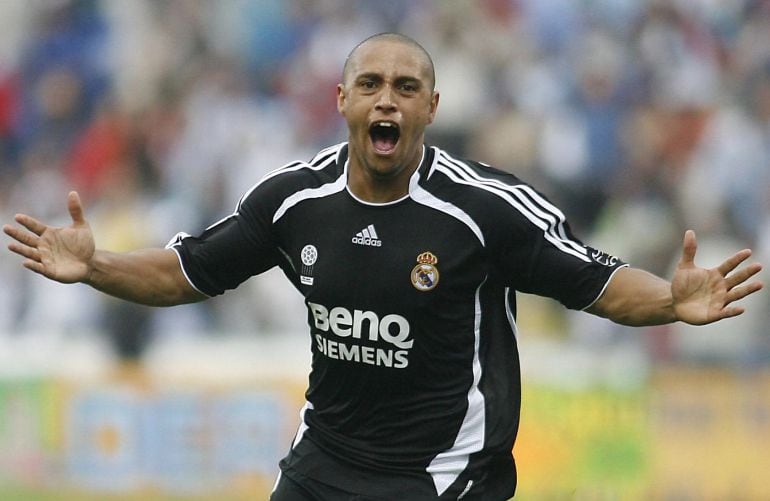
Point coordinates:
pixel 425 275
pixel 309 256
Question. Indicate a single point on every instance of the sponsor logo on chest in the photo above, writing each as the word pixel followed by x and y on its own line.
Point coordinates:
pixel 349 328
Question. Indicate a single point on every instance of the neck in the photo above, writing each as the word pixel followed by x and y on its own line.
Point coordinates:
pixel 377 186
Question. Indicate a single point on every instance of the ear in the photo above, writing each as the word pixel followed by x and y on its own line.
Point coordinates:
pixel 341 99
pixel 433 107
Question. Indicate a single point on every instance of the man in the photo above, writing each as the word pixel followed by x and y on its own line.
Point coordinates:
pixel 409 260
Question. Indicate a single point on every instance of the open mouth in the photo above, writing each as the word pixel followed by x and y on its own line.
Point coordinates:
pixel 384 136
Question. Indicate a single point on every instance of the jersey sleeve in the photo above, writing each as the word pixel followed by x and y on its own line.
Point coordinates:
pixel 541 255
pixel 232 250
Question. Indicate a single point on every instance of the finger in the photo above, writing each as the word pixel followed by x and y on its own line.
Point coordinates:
pixel 739 293
pixel 30 223
pixel 733 261
pixel 75 208
pixel 23 237
pixel 35 266
pixel 25 251
pixel 9 230
pixel 689 247
pixel 741 276
pixel 732 311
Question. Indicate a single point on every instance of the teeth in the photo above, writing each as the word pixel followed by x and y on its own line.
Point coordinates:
pixel 385 124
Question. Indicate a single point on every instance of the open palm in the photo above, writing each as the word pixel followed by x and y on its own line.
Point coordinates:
pixel 61 254
pixel 701 295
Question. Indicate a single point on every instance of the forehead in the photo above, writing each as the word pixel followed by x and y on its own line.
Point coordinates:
pixel 388 57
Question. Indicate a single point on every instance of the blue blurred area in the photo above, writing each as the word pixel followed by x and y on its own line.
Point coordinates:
pixel 639 119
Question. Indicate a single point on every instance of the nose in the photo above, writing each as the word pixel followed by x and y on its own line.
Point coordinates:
pixel 385 100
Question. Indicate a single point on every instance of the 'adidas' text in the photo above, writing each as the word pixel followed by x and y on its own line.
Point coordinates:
pixel 367 236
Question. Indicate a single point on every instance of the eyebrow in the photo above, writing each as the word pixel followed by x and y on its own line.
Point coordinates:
pixel 413 80
pixel 379 78
pixel 368 76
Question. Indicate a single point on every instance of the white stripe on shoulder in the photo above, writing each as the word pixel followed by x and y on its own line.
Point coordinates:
pixel 329 149
pixel 280 170
pixel 535 202
pixel 290 167
pixel 545 217
pixel 309 193
pixel 424 197
pixel 542 204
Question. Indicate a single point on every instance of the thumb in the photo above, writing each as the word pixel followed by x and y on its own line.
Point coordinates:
pixel 75 208
pixel 689 247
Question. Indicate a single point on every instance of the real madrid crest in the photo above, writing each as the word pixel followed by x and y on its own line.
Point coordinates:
pixel 425 274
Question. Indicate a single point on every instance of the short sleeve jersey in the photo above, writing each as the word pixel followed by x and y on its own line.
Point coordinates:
pixel 411 309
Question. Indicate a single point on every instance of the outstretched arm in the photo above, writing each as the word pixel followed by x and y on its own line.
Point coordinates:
pixel 695 295
pixel 68 255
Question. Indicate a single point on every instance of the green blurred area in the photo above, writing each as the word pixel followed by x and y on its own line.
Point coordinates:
pixel 686 433
pixel 689 433
pixel 15 493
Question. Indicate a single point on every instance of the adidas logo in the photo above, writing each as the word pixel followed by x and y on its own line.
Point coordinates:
pixel 367 236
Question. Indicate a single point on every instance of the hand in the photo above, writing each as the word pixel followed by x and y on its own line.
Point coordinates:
pixel 61 254
pixel 701 296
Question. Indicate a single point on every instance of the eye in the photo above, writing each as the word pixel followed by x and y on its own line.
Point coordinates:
pixel 368 84
pixel 408 87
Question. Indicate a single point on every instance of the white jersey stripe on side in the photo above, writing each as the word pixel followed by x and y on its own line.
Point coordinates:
pixel 302 426
pixel 277 481
pixel 537 206
pixel 447 466
pixel 542 225
pixel 509 313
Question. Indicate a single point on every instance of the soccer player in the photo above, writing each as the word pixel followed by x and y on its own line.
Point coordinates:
pixel 409 260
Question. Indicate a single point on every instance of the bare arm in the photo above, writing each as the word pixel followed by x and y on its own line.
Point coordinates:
pixel 636 297
pixel 150 276
pixel 695 295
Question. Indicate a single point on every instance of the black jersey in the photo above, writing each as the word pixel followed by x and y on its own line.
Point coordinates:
pixel 415 388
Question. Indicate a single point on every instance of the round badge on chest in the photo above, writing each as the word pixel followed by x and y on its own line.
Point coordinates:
pixel 425 275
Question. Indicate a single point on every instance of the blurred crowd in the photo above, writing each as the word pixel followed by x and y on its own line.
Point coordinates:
pixel 639 118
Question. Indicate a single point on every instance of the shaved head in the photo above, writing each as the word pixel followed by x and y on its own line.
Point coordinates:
pixel 391 37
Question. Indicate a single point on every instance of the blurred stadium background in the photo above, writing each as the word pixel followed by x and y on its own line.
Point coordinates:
pixel 639 118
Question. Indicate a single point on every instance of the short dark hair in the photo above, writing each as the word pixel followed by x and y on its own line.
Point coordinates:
pixel 394 37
